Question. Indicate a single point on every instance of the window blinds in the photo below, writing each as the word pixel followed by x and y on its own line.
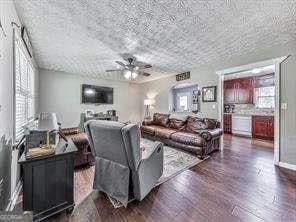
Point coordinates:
pixel 24 90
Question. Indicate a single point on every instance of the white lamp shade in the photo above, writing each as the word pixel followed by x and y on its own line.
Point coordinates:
pixel 47 121
pixel 148 102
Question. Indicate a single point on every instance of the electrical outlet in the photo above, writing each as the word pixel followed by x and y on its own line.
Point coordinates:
pixel 284 106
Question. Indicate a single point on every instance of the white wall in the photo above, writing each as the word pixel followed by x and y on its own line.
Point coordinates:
pixel 60 92
pixel 205 75
pixel 159 90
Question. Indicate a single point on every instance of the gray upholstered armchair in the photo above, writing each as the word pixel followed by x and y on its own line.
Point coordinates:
pixel 120 170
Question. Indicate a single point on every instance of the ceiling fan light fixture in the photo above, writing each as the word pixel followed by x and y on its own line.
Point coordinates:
pixel 130 74
pixel 134 75
pixel 127 74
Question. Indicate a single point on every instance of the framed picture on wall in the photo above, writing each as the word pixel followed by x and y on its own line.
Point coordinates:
pixel 209 94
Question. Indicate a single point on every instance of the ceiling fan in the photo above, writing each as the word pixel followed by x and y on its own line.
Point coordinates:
pixel 131 68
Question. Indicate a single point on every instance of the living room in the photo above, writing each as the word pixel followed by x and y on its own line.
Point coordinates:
pixel 113 111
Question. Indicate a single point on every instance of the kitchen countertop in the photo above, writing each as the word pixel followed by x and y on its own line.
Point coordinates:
pixel 254 114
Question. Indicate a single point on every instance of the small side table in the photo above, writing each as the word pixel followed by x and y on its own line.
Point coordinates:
pixel 48 182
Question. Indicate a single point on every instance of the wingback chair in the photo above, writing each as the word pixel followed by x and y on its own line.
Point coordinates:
pixel 120 170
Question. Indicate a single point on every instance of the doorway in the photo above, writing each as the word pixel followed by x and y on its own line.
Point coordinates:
pixel 232 96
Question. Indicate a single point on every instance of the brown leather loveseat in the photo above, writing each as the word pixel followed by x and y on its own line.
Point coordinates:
pixel 193 134
pixel 83 156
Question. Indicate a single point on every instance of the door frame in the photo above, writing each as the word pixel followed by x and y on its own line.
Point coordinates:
pixel 277 111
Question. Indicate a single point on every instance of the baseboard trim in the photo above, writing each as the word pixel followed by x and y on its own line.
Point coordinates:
pixel 287 166
pixel 14 196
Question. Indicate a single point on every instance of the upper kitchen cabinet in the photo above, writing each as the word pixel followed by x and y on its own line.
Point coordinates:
pixel 229 92
pixel 239 90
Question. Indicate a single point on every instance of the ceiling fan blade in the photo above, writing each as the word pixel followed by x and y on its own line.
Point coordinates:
pixel 113 70
pixel 146 66
pixel 145 74
pixel 120 63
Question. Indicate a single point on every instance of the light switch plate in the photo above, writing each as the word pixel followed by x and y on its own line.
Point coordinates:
pixel 284 106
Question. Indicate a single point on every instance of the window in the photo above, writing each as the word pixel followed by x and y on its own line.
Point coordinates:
pixel 265 97
pixel 183 98
pixel 24 90
pixel 182 103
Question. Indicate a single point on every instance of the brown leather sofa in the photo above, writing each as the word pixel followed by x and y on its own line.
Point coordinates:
pixel 83 156
pixel 197 135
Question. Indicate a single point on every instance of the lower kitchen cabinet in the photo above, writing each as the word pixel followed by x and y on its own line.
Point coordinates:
pixel 227 123
pixel 263 127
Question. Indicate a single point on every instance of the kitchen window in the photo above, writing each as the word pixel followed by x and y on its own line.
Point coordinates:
pixel 265 97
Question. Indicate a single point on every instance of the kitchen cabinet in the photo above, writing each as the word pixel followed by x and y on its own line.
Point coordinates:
pixel 229 92
pixel 227 123
pixel 239 90
pixel 263 127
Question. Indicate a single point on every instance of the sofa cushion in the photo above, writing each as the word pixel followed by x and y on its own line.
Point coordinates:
pixel 164 132
pixel 161 119
pixel 177 122
pixel 150 129
pixel 188 138
pixel 195 124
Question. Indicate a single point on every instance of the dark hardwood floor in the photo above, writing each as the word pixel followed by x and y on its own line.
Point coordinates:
pixel 239 183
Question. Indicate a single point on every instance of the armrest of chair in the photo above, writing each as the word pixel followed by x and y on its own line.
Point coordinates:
pixel 157 148
pixel 149 171
pixel 211 134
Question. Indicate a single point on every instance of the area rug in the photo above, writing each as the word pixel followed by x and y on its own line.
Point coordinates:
pixel 175 162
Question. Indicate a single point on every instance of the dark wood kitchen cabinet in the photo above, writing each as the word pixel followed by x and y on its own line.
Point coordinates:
pixel 227 119
pixel 229 92
pixel 239 90
pixel 263 127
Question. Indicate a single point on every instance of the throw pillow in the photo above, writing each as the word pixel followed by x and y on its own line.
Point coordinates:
pixel 161 119
pixel 195 124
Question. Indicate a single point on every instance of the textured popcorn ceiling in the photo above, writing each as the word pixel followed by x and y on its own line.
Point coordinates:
pixel 86 36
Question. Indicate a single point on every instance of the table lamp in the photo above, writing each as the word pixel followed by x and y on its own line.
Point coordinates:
pixel 148 103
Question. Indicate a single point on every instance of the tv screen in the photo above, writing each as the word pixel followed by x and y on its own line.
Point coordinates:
pixel 96 94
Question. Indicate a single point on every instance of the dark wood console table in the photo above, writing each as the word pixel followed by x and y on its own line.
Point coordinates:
pixel 48 182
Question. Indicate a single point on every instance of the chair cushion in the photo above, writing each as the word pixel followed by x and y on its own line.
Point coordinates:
pixel 161 119
pixel 195 124
pixel 188 138
pixel 150 129
pixel 164 132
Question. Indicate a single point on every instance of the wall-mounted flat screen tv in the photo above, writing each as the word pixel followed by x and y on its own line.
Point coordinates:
pixel 91 94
